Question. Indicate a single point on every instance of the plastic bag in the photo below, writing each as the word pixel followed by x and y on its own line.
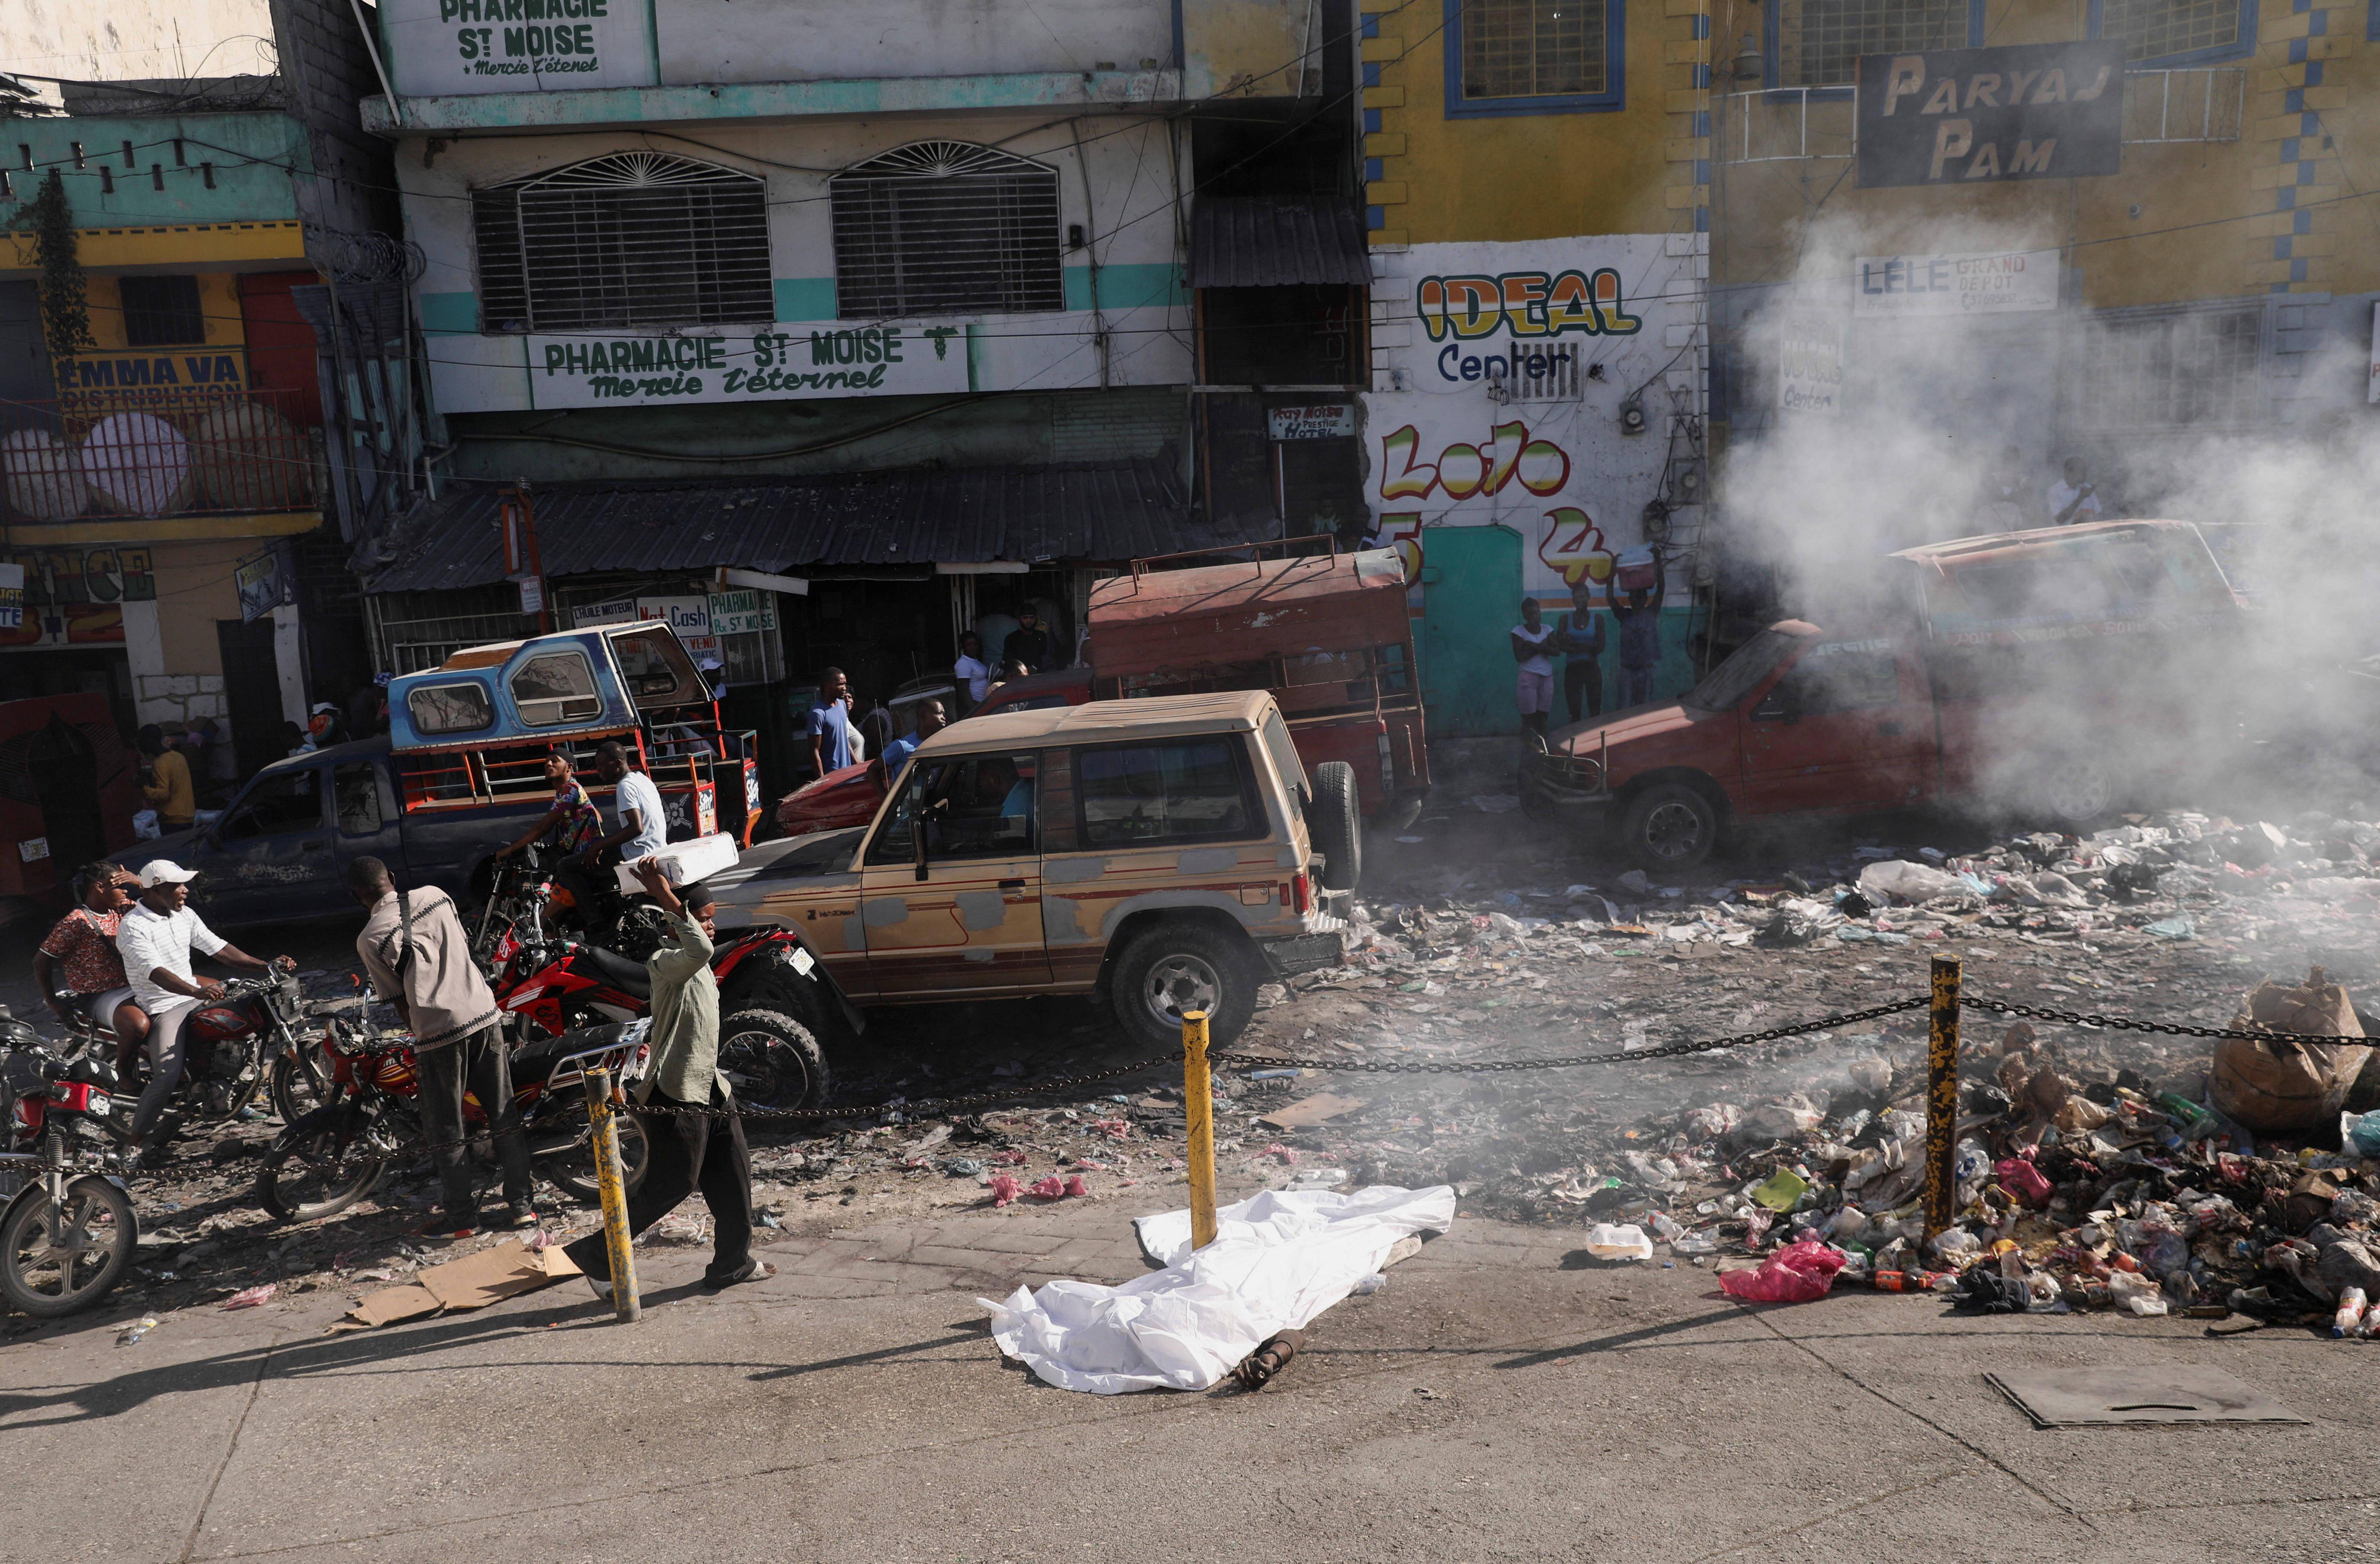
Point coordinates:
pixel 2021 1179
pixel 2359 1132
pixel 1910 883
pixel 1795 1274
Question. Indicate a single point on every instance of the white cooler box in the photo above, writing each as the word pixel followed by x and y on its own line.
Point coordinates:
pixel 688 861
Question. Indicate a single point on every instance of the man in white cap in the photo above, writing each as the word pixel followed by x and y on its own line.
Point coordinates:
pixel 156 936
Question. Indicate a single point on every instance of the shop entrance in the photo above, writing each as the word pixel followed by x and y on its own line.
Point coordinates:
pixel 251 692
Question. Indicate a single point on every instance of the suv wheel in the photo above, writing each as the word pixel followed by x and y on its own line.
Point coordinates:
pixel 1177 967
pixel 1337 825
pixel 1669 827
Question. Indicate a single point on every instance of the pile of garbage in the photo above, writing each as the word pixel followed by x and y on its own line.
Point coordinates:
pixel 2076 1186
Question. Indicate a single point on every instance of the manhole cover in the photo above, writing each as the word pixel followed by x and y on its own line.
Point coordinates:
pixel 2085 1398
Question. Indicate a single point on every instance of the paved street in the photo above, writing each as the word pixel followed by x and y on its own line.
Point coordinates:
pixel 1490 1403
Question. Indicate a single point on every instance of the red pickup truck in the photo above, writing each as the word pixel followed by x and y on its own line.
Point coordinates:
pixel 2054 669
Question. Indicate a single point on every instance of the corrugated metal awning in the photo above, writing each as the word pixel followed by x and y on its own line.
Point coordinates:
pixel 1107 511
pixel 1276 241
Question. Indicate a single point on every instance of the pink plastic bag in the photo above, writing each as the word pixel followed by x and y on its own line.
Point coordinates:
pixel 2021 1179
pixel 1050 1188
pixel 1795 1274
pixel 1004 1188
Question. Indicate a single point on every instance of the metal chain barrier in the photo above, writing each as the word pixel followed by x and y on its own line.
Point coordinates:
pixel 914 1108
pixel 1632 1055
pixel 919 1107
pixel 2118 1023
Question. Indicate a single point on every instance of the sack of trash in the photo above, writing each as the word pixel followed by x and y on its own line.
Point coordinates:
pixel 2276 1082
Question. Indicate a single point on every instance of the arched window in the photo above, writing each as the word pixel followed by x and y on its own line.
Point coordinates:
pixel 628 239
pixel 945 228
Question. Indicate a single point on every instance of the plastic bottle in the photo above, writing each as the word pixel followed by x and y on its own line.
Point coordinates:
pixel 2349 1315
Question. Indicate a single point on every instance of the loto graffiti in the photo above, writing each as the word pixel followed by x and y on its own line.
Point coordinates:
pixel 1570 544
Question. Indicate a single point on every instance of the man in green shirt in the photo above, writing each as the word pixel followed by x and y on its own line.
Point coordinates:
pixel 689 1151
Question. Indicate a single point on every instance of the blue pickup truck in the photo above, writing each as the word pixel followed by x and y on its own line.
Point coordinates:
pixel 461 775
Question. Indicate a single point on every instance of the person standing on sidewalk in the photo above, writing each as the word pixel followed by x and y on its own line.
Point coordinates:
pixel 1638 614
pixel 419 959
pixel 1534 689
pixel 685 1151
pixel 1580 637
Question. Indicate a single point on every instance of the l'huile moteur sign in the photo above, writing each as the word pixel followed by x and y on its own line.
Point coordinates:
pixel 1956 117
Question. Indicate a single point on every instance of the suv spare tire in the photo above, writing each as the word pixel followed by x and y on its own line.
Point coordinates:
pixel 1180 966
pixel 1336 824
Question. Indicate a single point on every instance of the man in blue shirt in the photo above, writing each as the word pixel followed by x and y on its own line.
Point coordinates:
pixel 896 754
pixel 831 723
pixel 1581 635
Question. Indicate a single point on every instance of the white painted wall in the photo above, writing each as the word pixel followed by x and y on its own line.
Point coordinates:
pixel 1128 208
pixel 130 39
pixel 1441 452
pixel 824 39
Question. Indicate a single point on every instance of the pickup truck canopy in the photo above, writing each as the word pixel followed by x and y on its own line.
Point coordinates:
pixel 575 685
pixel 1154 621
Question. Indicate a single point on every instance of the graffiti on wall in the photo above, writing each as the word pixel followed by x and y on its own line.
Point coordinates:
pixel 1568 543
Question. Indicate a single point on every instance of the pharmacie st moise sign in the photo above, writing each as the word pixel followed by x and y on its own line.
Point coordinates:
pixel 1956 117
pixel 442 47
pixel 771 364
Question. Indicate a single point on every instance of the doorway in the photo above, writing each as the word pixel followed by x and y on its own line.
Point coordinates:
pixel 64 769
pixel 251 692
pixel 1470 598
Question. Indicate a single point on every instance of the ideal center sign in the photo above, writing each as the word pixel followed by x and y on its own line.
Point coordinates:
pixel 1524 306
pixel 1954 117
pixel 768 365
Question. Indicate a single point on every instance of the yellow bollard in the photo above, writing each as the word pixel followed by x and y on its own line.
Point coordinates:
pixel 1942 1096
pixel 1199 1101
pixel 600 1111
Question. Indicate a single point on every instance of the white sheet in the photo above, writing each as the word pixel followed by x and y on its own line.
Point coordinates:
pixel 1278 1259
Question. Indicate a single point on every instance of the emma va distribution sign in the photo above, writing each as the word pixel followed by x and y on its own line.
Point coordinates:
pixel 769 365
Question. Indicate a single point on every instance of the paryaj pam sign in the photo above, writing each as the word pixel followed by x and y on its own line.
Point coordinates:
pixel 1954 117
pixel 442 47
pixel 770 365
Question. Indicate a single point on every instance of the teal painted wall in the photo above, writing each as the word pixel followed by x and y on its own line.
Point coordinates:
pixel 1471 599
pixel 253 155
pixel 813 298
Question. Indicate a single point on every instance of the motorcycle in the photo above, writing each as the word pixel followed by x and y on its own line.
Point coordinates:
pixel 334 1156
pixel 68 1235
pixel 232 1042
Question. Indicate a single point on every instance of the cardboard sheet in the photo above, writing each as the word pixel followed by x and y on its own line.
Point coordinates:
pixel 471 1282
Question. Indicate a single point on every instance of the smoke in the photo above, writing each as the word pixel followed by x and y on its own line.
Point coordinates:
pixel 2246 417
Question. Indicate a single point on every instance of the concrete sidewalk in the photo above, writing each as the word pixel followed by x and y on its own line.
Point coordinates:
pixel 1488 1405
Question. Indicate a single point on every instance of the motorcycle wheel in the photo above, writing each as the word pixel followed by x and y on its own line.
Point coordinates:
pixel 97 1232
pixel 300 1082
pixel 316 1169
pixel 572 1168
pixel 771 1059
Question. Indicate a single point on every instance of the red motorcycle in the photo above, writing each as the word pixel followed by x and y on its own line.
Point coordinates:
pixel 234 1043
pixel 332 1156
pixel 775 1000
pixel 68 1232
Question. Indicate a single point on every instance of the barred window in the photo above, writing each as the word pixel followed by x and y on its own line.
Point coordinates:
pixel 1819 41
pixel 945 228
pixel 2153 29
pixel 630 240
pixel 2198 367
pixel 1533 48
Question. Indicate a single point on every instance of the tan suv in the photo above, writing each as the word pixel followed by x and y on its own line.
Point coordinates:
pixel 1158 852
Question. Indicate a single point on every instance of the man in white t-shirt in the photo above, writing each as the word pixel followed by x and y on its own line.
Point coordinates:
pixel 972 670
pixel 1535 689
pixel 2075 498
pixel 636 803
pixel 156 938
